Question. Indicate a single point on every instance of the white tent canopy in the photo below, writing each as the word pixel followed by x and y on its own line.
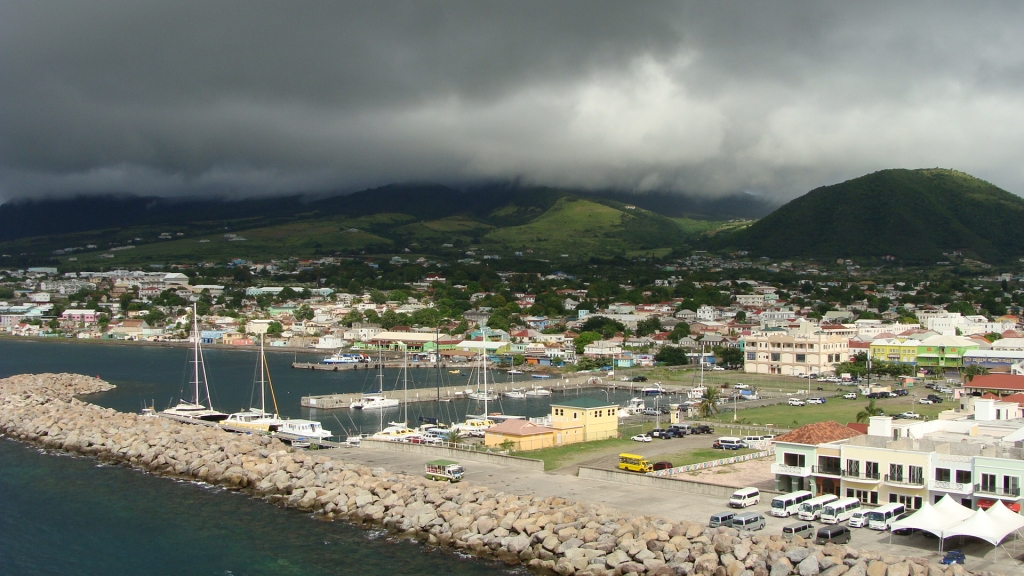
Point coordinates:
pixel 1004 517
pixel 982 526
pixel 950 508
pixel 929 519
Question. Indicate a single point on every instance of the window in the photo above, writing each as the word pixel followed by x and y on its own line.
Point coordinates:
pixel 1011 485
pixel 776 356
pixel 874 497
pixel 988 482
pixel 963 476
pixel 896 472
pixel 942 475
pixel 801 358
pixel 871 470
pixel 575 415
pixel 751 355
pixel 853 468
pixel 916 476
pixel 790 459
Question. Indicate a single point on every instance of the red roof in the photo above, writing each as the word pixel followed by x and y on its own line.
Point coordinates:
pixel 989 396
pixel 858 426
pixel 1018 398
pixel 997 382
pixel 818 433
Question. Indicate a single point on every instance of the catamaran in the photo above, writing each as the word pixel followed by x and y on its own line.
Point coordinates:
pixel 194 409
pixel 376 400
pixel 254 418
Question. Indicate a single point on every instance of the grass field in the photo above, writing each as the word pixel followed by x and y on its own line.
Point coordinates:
pixel 838 409
pixel 570 225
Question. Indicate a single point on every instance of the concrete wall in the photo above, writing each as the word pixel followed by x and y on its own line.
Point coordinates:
pixel 458 455
pixel 664 483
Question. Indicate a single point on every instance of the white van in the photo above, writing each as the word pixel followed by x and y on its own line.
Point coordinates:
pixel 744 497
pixel 839 511
pixel 728 443
pixel 752 441
pixel 811 509
pixel 858 519
pixel 789 504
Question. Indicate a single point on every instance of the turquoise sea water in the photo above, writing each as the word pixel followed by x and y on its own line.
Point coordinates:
pixel 69 515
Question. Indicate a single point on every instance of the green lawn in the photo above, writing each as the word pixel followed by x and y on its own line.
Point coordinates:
pixel 838 409
pixel 701 455
pixel 558 456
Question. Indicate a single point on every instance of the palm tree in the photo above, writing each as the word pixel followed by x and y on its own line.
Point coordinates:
pixel 973 370
pixel 868 411
pixel 454 436
pixel 708 403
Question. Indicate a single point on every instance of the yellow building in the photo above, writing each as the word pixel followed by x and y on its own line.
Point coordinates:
pixel 584 420
pixel 902 350
pixel 523 434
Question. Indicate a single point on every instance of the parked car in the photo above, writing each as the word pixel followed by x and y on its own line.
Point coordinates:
pixel 934 398
pixel 639 378
pixel 858 520
pixel 926 401
pixel 702 429
pixel 682 429
pixel 837 534
pixel 663 465
pixel 662 433
pixel 910 415
pixel 815 400
pixel 650 412
pixel 953 557
pixel 901 392
pixel 641 438
pixel 796 402
pixel 850 395
pixel 717 368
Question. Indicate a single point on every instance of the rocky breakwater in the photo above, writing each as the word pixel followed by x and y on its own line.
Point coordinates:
pixel 550 535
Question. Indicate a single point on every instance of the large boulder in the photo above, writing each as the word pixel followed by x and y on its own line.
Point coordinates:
pixel 809 566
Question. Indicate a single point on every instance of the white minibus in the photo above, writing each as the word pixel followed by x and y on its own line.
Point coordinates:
pixel 789 504
pixel 811 509
pixel 839 511
pixel 880 518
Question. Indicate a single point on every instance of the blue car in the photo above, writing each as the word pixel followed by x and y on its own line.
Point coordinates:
pixel 954 557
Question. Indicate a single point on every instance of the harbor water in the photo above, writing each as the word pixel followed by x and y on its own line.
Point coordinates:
pixel 70 515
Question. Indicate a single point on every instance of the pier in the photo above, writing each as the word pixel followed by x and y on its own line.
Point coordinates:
pixel 449 393
pixel 365 365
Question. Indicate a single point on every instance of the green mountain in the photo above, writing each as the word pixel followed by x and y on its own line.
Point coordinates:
pixel 406 219
pixel 914 215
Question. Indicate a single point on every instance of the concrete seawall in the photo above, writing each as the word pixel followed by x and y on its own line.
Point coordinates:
pixel 459 455
pixel 549 535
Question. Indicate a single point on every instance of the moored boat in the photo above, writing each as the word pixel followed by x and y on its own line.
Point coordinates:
pixel 515 393
pixel 194 409
pixel 537 391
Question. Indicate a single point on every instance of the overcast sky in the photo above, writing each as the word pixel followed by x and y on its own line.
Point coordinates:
pixel 248 98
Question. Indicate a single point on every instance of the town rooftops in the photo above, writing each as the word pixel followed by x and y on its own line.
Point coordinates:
pixel 997 382
pixel 584 403
pixel 818 433
pixel 519 427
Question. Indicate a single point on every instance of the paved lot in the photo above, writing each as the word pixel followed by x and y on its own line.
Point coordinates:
pixel 664 503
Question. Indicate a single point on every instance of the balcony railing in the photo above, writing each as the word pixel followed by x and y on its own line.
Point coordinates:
pixel 904 481
pixel 995 491
pixel 791 470
pixel 827 470
pixel 858 475
pixel 954 486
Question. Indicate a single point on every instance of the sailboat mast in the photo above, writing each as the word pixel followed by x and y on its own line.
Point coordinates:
pixel 484 370
pixel 405 385
pixel 263 369
pixel 195 352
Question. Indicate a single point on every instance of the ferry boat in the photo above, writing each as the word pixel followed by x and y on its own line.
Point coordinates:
pixel 340 358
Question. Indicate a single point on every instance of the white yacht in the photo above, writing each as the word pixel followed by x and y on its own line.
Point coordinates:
pixel 395 432
pixel 653 390
pixel 194 409
pixel 537 391
pixel 515 393
pixel 481 395
pixel 307 429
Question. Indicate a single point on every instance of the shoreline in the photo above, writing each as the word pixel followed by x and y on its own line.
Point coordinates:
pixel 548 535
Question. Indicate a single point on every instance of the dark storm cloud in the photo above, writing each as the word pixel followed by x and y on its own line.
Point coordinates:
pixel 256 98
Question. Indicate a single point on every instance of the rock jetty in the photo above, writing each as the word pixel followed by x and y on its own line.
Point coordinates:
pixel 549 535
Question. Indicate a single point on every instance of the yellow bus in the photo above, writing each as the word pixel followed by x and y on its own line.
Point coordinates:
pixel 634 463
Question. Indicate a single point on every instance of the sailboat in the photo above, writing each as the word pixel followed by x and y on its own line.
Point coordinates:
pixel 399 431
pixel 375 400
pixel 475 425
pixel 194 409
pixel 258 419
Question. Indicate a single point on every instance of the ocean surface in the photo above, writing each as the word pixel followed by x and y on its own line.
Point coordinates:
pixel 70 515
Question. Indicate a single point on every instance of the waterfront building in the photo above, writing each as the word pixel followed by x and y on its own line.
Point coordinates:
pixel 584 420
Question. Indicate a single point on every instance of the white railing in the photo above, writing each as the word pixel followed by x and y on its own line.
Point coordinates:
pixel 791 470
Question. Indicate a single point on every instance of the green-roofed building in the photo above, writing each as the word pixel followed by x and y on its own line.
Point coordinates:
pixel 584 420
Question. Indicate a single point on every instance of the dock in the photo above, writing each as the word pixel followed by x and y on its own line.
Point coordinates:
pixel 366 366
pixel 449 393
